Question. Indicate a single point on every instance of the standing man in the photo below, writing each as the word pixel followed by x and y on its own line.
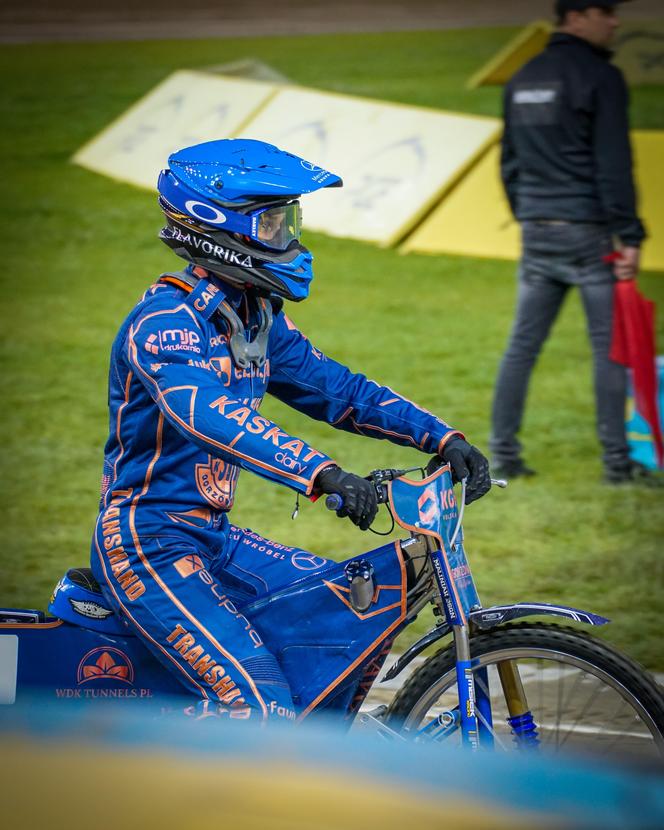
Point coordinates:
pixel 567 169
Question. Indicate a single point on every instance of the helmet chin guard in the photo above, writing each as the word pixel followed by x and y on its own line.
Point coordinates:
pixel 232 208
pixel 287 274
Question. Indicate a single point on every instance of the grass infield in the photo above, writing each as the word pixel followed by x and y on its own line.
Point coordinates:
pixel 79 249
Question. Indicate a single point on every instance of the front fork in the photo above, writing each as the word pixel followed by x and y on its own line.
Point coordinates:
pixel 475 699
pixel 474 696
pixel 466 687
pixel 520 717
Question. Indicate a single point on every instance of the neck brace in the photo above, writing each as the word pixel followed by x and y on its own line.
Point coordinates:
pixel 207 299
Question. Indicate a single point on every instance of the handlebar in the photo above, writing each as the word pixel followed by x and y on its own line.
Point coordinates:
pixel 334 501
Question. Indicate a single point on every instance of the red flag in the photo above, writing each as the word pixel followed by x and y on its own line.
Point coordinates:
pixel 633 345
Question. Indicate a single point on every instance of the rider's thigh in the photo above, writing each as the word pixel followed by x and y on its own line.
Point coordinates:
pixel 186 618
pixel 266 565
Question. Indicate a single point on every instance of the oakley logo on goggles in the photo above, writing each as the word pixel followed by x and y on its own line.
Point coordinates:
pixel 274 226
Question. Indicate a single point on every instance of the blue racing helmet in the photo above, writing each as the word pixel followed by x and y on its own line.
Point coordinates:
pixel 232 207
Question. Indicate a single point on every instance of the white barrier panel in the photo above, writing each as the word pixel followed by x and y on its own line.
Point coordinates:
pixel 187 108
pixel 395 160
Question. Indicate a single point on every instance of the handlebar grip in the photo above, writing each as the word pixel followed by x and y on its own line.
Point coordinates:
pixel 334 501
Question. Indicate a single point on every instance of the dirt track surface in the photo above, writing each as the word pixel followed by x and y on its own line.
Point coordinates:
pixel 79 20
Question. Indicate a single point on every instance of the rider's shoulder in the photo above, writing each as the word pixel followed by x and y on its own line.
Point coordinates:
pixel 160 296
pixel 284 327
pixel 162 300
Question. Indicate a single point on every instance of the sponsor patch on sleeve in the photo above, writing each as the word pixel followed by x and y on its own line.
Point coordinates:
pixel 169 340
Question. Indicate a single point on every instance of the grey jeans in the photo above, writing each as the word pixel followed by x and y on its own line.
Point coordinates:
pixel 555 257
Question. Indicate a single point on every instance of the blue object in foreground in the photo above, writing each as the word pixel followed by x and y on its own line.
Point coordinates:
pixel 166 770
pixel 639 433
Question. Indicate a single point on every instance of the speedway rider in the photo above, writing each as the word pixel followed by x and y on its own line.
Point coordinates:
pixel 189 369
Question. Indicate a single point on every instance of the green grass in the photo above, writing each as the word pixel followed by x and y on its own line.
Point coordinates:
pixel 79 249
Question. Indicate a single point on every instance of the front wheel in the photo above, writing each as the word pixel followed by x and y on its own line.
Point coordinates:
pixel 581 693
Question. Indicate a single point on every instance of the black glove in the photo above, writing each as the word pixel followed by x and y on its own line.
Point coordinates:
pixel 359 495
pixel 465 461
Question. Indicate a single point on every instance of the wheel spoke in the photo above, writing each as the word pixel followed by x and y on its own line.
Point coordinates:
pixel 559 689
pixel 540 703
pixel 492 730
pixel 585 711
pixel 619 734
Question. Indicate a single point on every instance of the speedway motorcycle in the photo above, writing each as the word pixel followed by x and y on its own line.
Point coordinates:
pixel 493 683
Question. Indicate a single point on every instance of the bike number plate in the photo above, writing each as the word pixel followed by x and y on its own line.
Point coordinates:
pixel 8 667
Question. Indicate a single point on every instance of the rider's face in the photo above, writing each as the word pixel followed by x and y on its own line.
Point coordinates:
pixel 269 225
pixel 278 226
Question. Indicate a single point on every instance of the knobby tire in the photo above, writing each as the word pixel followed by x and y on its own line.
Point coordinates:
pixel 545 641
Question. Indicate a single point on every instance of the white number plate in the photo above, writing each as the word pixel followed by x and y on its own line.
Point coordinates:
pixel 8 667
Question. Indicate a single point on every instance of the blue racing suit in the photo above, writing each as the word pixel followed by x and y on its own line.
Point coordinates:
pixel 184 420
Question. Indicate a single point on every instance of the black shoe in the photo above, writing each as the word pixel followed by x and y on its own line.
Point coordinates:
pixel 512 468
pixel 632 473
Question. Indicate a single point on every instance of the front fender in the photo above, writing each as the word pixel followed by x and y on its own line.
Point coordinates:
pixel 485 618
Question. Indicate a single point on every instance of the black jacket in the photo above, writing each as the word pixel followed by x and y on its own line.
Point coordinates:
pixel 565 150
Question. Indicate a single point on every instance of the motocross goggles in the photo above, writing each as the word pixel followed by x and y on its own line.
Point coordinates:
pixel 277 226
pixel 274 226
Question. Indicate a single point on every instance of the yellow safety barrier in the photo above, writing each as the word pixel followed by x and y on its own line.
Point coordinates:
pixel 521 48
pixel 475 220
pixel 638 50
pixel 395 160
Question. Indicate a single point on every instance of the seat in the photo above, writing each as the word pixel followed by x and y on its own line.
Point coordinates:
pixel 78 599
pixel 84 578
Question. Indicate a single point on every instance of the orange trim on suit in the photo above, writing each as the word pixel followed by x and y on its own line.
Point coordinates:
pixel 118 436
pixel 139 626
pixel 182 608
pixel 178 283
pixel 54 624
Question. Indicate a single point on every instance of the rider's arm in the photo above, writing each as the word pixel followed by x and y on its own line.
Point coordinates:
pixel 167 350
pixel 313 383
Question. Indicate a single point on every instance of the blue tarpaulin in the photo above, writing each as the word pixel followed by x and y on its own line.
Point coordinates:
pixel 639 433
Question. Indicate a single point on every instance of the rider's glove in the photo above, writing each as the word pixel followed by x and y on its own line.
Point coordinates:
pixel 465 461
pixel 358 494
